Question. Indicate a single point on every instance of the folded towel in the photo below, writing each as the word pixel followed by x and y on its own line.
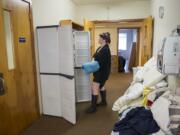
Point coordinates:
pixel 91 67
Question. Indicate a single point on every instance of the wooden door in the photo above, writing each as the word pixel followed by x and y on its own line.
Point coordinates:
pixel 19 104
pixel 146 40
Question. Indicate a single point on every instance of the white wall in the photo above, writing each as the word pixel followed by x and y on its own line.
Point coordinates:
pixel 121 10
pixel 50 12
pixel 163 27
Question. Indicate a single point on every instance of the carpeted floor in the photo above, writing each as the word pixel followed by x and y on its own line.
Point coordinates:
pixel 100 123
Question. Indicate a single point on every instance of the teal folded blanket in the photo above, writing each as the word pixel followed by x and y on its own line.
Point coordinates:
pixel 91 67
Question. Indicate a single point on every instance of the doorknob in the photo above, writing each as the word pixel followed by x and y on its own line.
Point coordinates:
pixel 2 88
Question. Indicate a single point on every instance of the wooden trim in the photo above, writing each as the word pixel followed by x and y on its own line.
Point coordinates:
pixel 118 44
pixel 137 43
pixel 89 26
pixel 65 22
pixel 118 21
pixel 8 10
pixel 70 22
pixel 125 24
pixel 138 47
pixel 34 58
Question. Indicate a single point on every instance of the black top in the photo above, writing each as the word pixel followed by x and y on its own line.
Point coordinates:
pixel 103 56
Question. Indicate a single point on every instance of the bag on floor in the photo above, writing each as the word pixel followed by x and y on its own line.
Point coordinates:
pixel 91 67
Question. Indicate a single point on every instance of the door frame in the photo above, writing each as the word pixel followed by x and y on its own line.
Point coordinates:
pixel 137 43
pixel 33 54
pixel 127 24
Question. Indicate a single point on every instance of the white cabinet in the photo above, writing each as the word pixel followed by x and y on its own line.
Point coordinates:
pixel 63 83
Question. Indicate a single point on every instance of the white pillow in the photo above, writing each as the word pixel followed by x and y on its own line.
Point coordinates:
pixel 152 62
pixel 152 77
pixel 138 76
pixel 134 92
pixel 135 69
pixel 161 84
pixel 160 110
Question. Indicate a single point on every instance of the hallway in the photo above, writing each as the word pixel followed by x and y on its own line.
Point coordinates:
pixel 100 123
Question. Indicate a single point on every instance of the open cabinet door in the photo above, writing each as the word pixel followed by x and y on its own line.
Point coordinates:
pixel 147 34
pixel 49 67
pixel 67 81
pixel 82 55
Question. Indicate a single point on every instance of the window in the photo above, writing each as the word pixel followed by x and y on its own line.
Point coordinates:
pixel 122 41
pixel 9 39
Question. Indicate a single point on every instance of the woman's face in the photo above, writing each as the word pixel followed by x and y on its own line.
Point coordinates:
pixel 101 41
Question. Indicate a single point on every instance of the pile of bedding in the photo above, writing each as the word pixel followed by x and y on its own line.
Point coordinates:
pixel 146 77
pixel 166 112
pixel 162 118
pixel 148 99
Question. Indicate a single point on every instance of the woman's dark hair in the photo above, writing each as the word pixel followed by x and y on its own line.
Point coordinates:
pixel 106 36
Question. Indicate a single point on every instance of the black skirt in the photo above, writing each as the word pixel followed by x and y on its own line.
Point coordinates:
pixel 99 79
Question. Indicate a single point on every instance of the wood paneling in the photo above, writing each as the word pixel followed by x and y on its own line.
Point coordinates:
pixel 132 60
pixel 89 26
pixel 114 64
pixel 70 22
pixel 146 39
pixel 119 21
pixel 19 105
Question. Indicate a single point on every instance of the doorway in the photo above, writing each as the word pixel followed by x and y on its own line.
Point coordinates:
pixel 127 49
pixel 144 28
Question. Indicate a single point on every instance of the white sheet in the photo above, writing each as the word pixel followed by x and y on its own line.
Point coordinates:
pixel 134 91
pixel 152 77
pixel 160 110
pixel 138 76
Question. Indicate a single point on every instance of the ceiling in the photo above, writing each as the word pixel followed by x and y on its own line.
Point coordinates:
pixel 86 2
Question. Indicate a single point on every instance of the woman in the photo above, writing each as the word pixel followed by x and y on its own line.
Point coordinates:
pixel 103 57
